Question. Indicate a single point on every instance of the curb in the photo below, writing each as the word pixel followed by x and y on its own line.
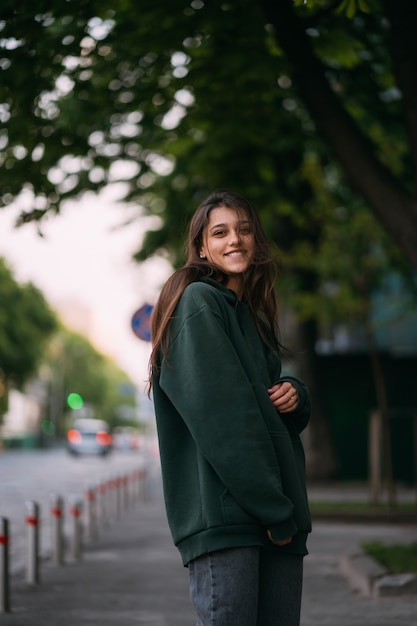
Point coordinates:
pixel 369 577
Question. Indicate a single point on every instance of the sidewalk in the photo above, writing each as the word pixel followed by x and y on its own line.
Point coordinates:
pixel 132 574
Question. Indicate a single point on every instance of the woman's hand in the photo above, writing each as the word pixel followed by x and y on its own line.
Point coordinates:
pixel 284 397
pixel 283 542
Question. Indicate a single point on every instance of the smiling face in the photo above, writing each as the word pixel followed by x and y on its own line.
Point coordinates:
pixel 228 243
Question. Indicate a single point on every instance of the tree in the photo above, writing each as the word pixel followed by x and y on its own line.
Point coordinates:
pixel 321 84
pixel 355 261
pixel 26 322
pixel 72 365
pixel 102 87
pixel 210 99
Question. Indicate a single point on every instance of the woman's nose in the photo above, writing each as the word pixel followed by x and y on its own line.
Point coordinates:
pixel 234 237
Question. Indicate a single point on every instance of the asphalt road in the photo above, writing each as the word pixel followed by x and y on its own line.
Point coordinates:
pixel 34 475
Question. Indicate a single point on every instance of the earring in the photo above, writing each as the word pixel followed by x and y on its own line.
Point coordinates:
pixel 202 257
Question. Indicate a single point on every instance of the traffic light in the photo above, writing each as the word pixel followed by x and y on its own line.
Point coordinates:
pixel 75 401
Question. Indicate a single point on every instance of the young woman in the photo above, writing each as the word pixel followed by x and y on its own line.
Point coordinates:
pixel 228 424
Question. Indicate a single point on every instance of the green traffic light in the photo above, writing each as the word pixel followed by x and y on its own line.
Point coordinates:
pixel 75 401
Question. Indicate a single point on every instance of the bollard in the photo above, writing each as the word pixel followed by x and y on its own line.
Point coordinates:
pixel 57 520
pixel 125 492
pixel 32 526
pixel 109 498
pixel 102 502
pixel 76 535
pixel 139 476
pixel 118 486
pixel 143 484
pixel 119 491
pixel 122 493
pixel 112 497
pixel 91 525
pixel 135 484
pixel 4 566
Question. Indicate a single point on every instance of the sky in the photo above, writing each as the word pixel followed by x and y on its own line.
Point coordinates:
pixel 84 263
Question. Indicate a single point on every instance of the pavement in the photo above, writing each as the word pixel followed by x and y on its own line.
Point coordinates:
pixel 132 574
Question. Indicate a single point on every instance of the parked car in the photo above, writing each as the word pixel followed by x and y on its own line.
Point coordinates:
pixel 127 438
pixel 89 436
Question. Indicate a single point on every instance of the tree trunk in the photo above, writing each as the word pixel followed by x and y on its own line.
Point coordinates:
pixel 383 408
pixel 320 455
pixel 392 205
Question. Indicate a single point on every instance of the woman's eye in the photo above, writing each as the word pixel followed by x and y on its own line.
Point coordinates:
pixel 218 233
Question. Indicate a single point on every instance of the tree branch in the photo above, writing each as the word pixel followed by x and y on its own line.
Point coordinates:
pixel 395 209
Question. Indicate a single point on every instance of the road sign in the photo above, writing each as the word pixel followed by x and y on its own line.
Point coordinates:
pixel 141 322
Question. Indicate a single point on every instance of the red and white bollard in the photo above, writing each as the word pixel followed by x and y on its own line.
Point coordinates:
pixel 143 484
pixel 76 544
pixel 4 566
pixel 102 502
pixel 32 534
pixel 112 497
pixel 91 517
pixel 138 483
pixel 57 520
pixel 125 492
pixel 118 488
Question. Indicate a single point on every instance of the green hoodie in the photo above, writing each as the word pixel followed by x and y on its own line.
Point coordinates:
pixel 232 466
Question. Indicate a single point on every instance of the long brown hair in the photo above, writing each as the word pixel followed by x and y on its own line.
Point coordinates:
pixel 259 279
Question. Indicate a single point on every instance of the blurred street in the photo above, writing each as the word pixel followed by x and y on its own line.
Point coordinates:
pixel 27 475
pixel 132 573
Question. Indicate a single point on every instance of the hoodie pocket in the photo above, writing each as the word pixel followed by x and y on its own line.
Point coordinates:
pixel 233 512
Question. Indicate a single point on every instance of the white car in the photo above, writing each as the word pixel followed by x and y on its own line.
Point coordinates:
pixel 89 436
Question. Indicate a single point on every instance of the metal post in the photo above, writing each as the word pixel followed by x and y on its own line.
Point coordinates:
pixel 118 485
pixel 76 511
pixel 32 526
pixel 125 490
pixel 4 566
pixel 102 501
pixel 375 456
pixel 137 483
pixel 145 484
pixel 111 497
pixel 91 526
pixel 57 518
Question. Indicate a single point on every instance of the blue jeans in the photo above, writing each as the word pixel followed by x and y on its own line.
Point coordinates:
pixel 246 587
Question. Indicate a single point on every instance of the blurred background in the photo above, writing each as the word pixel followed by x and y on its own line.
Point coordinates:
pixel 117 119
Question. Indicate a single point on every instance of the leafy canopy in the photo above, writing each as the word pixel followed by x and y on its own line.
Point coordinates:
pixel 212 97
pixel 26 323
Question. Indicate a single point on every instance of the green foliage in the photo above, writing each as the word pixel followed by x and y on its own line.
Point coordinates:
pixel 177 98
pixel 350 256
pixel 32 344
pixel 101 88
pixel 397 558
pixel 26 322
pixel 73 365
pixel 351 7
pixel 206 100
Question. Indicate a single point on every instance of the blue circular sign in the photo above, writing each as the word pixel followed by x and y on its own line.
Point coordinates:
pixel 141 322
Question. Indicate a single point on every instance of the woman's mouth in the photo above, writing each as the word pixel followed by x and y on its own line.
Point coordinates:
pixel 235 253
